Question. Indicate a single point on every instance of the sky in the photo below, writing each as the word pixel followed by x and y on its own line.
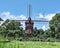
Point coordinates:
pixel 18 9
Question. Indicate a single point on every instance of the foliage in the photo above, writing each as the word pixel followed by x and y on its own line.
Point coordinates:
pixel 10 28
pixel 55 26
pixel 1 19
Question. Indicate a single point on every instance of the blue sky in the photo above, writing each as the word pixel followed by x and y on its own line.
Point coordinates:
pixel 40 9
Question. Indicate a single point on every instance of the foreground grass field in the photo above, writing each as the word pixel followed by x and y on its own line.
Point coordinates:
pixel 29 44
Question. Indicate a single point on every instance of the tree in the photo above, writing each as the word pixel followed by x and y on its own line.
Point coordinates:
pixel 38 34
pixel 3 31
pixel 13 27
pixel 35 31
pixel 1 19
pixel 54 25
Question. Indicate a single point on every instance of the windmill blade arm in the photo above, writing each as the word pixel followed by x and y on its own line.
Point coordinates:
pixel 40 21
pixel 18 20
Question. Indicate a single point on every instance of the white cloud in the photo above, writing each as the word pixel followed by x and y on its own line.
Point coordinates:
pixel 40 15
pixel 44 27
pixel 21 17
pixel 49 16
pixel 5 13
pixel 8 15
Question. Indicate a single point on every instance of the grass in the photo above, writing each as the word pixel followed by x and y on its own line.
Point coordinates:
pixel 29 44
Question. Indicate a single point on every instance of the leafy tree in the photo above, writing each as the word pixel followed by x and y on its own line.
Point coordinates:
pixel 11 25
pixel 35 31
pixel 1 19
pixel 55 25
pixel 13 28
pixel 3 31
pixel 38 34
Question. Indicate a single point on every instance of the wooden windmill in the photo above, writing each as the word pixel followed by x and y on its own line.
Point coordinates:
pixel 29 22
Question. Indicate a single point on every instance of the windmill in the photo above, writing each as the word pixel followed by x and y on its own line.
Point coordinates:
pixel 29 22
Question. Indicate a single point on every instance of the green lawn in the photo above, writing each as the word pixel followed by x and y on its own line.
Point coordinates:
pixel 29 44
